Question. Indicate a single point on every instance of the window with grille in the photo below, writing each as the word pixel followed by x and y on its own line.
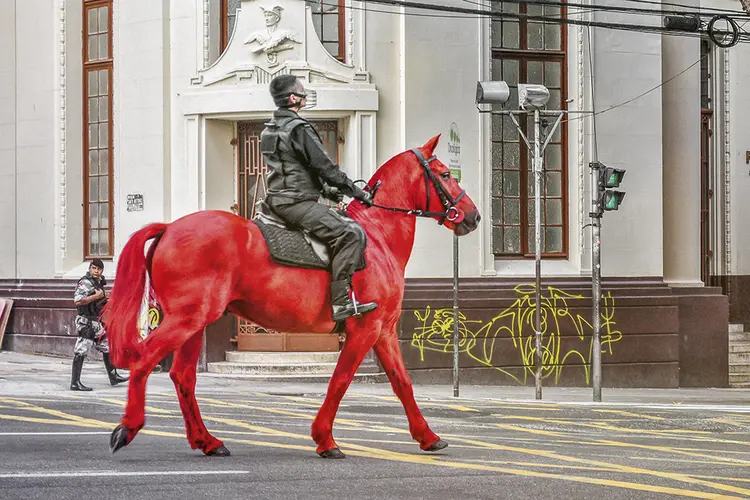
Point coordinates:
pixel 526 51
pixel 97 119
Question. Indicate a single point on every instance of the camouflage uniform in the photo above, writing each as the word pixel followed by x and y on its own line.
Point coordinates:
pixel 86 287
pixel 91 333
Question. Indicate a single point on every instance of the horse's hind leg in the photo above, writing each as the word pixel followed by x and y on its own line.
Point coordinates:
pixel 183 373
pixel 172 333
pixel 351 356
pixel 389 354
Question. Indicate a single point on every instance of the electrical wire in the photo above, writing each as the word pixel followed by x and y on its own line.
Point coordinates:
pixel 643 94
pixel 614 8
pixel 453 10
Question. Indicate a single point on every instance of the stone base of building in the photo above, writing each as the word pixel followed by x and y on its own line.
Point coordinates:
pixel 652 335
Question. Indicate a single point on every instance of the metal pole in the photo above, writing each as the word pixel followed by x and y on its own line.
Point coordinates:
pixel 596 284
pixel 456 339
pixel 538 248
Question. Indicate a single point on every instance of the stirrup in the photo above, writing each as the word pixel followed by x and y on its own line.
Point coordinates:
pixel 357 314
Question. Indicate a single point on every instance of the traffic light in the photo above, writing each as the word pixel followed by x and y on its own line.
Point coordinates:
pixel 608 177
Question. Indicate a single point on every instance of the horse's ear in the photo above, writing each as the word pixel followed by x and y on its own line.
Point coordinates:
pixel 430 145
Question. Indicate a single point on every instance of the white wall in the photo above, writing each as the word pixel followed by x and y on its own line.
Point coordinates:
pixel 626 64
pixel 739 144
pixel 436 94
pixel 383 62
pixel 220 165
pixel 7 140
pixel 36 80
pixel 186 57
pixel 141 113
pixel 73 217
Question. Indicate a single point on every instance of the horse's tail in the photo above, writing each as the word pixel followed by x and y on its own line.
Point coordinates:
pixel 120 315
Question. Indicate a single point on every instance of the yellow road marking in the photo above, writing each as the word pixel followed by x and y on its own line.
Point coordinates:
pixel 621 468
pixel 358 450
pixel 629 414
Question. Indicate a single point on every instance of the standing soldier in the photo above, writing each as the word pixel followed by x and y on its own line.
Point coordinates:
pixel 90 298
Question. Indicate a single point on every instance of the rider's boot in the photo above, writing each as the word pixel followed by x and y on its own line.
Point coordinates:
pixel 75 380
pixel 114 377
pixel 344 305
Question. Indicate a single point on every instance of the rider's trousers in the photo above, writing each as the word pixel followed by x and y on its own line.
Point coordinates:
pixel 345 238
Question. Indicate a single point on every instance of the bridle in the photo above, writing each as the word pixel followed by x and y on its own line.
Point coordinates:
pixel 451 213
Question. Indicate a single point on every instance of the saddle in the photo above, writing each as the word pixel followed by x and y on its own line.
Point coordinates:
pixel 290 245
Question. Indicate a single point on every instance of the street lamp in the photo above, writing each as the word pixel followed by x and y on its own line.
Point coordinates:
pixel 531 98
pixel 493 92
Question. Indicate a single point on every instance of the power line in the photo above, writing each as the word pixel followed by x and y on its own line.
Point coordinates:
pixel 690 7
pixel 643 94
pixel 547 19
pixel 613 8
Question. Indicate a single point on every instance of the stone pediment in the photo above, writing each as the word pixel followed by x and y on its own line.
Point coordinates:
pixel 273 37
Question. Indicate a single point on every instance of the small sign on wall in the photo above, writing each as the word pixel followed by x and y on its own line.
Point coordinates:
pixel 135 202
pixel 454 152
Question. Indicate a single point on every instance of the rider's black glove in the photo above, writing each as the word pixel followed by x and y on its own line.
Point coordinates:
pixel 364 197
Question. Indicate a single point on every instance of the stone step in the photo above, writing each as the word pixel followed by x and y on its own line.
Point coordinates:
pixel 737 379
pixel 310 358
pixel 298 378
pixel 738 359
pixel 738 347
pixel 736 328
pixel 739 337
pixel 739 368
pixel 228 367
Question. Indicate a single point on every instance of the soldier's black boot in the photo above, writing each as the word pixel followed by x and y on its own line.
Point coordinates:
pixel 114 377
pixel 344 305
pixel 75 380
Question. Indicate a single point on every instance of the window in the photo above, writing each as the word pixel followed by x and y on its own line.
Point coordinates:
pixel 528 52
pixel 328 19
pixel 228 18
pixel 97 136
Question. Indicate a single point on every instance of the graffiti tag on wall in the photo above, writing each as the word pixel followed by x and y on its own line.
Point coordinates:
pixel 518 322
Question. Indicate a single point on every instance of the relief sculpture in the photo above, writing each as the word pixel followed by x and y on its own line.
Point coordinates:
pixel 272 40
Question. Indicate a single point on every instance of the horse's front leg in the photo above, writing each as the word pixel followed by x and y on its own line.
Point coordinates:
pixel 172 334
pixel 183 374
pixel 355 348
pixel 389 354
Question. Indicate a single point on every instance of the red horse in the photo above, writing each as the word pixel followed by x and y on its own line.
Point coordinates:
pixel 209 262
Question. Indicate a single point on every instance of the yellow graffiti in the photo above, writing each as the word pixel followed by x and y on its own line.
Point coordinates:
pixel 518 322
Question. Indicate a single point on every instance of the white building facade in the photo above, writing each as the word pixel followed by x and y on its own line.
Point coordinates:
pixel 115 114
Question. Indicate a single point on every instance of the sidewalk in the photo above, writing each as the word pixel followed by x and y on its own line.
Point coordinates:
pixel 30 375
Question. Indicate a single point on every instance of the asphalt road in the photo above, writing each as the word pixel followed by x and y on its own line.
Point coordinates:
pixel 55 446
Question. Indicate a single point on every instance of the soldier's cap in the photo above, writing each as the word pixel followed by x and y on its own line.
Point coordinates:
pixel 98 263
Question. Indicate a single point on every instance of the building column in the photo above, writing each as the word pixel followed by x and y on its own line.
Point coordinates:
pixel 681 119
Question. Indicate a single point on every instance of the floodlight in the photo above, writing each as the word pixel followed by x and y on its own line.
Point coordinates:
pixel 532 96
pixel 493 92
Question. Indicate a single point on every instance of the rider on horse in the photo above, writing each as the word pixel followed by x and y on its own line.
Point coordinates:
pixel 298 171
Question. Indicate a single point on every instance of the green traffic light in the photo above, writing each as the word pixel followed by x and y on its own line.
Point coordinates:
pixel 613 177
pixel 612 199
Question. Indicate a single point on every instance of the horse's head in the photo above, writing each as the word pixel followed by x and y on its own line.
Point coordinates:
pixel 437 194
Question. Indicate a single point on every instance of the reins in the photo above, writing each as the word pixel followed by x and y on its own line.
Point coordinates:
pixel 451 212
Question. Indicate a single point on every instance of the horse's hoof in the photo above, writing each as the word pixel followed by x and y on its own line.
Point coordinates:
pixel 119 438
pixel 437 445
pixel 221 451
pixel 332 453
